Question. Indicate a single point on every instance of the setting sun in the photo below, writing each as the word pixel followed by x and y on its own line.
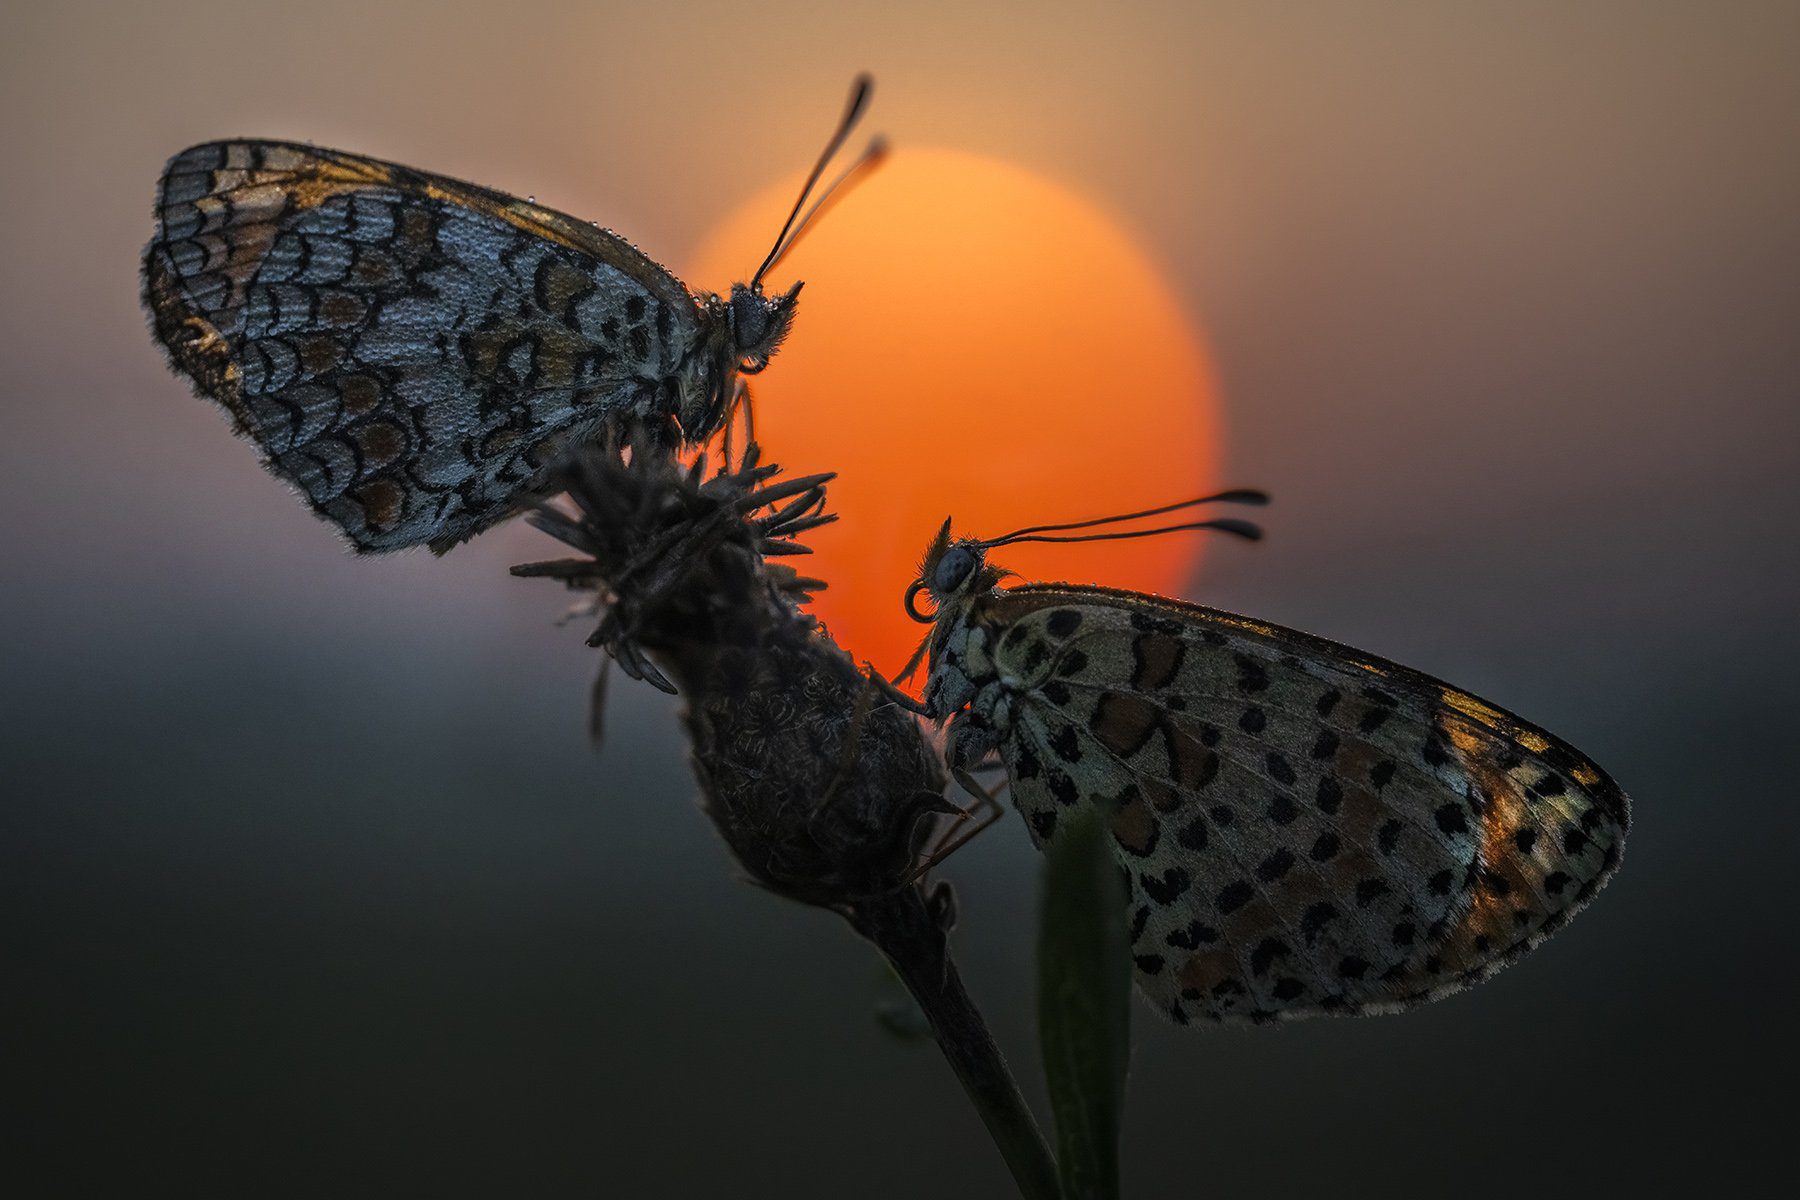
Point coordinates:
pixel 976 342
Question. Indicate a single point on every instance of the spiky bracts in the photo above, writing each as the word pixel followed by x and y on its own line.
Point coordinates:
pixel 823 788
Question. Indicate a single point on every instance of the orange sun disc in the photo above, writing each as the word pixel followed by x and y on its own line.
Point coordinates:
pixel 977 342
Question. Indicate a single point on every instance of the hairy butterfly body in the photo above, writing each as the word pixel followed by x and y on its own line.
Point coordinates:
pixel 1305 828
pixel 413 353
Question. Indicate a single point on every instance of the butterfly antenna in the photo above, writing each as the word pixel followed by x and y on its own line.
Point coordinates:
pixel 1243 529
pixel 870 158
pixel 1234 496
pixel 859 100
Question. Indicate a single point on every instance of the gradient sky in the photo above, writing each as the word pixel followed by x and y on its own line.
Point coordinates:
pixel 312 886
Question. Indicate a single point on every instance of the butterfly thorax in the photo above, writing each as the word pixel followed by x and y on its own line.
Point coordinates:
pixel 960 664
pixel 705 377
pixel 733 337
pixel 966 682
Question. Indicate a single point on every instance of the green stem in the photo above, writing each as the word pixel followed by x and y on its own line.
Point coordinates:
pixel 905 930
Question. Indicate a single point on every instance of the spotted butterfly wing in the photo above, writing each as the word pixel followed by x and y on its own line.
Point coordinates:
pixel 1306 828
pixel 409 351
pixel 413 353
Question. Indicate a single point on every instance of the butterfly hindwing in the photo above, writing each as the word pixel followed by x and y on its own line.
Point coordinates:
pixel 408 350
pixel 1305 828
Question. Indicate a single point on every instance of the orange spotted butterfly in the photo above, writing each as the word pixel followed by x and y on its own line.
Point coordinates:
pixel 1305 828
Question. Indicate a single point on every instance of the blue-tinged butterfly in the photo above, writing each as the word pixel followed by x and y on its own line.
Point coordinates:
pixel 413 353
pixel 1305 828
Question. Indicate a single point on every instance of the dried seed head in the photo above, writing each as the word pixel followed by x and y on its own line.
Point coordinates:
pixel 824 788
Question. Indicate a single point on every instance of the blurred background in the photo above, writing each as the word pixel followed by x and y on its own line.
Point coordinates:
pixel 312 885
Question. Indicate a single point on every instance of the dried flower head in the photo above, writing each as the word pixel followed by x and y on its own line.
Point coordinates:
pixel 825 788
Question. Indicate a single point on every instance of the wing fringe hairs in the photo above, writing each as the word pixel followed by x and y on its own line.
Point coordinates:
pixel 825 791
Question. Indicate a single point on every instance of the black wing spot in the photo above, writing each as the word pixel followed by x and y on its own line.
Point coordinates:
pixel 1316 917
pixel 1138 920
pixel 1275 866
pixel 1265 954
pixel 1164 891
pixel 1193 937
pixel 1234 896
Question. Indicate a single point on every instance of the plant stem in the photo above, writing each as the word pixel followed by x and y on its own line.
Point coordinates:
pixel 903 928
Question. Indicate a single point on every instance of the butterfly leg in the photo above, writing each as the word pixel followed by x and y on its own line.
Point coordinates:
pixel 740 399
pixel 965 827
pixel 894 694
pixel 725 441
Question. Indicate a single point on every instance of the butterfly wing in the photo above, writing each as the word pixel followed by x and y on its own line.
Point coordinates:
pixel 1307 828
pixel 408 350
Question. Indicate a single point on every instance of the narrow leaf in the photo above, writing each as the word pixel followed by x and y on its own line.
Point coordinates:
pixel 1084 1002
pixel 897 1011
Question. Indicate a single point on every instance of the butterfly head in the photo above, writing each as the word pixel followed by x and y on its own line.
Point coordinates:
pixel 758 323
pixel 953 572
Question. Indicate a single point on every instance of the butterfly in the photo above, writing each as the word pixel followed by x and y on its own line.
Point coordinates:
pixel 1304 828
pixel 414 353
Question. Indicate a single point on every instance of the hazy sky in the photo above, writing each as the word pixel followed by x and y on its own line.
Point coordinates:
pixel 313 886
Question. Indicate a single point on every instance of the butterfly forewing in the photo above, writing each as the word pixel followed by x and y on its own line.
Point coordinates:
pixel 409 351
pixel 1306 829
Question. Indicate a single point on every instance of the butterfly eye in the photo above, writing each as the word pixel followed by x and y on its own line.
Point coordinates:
pixel 952 569
pixel 749 318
